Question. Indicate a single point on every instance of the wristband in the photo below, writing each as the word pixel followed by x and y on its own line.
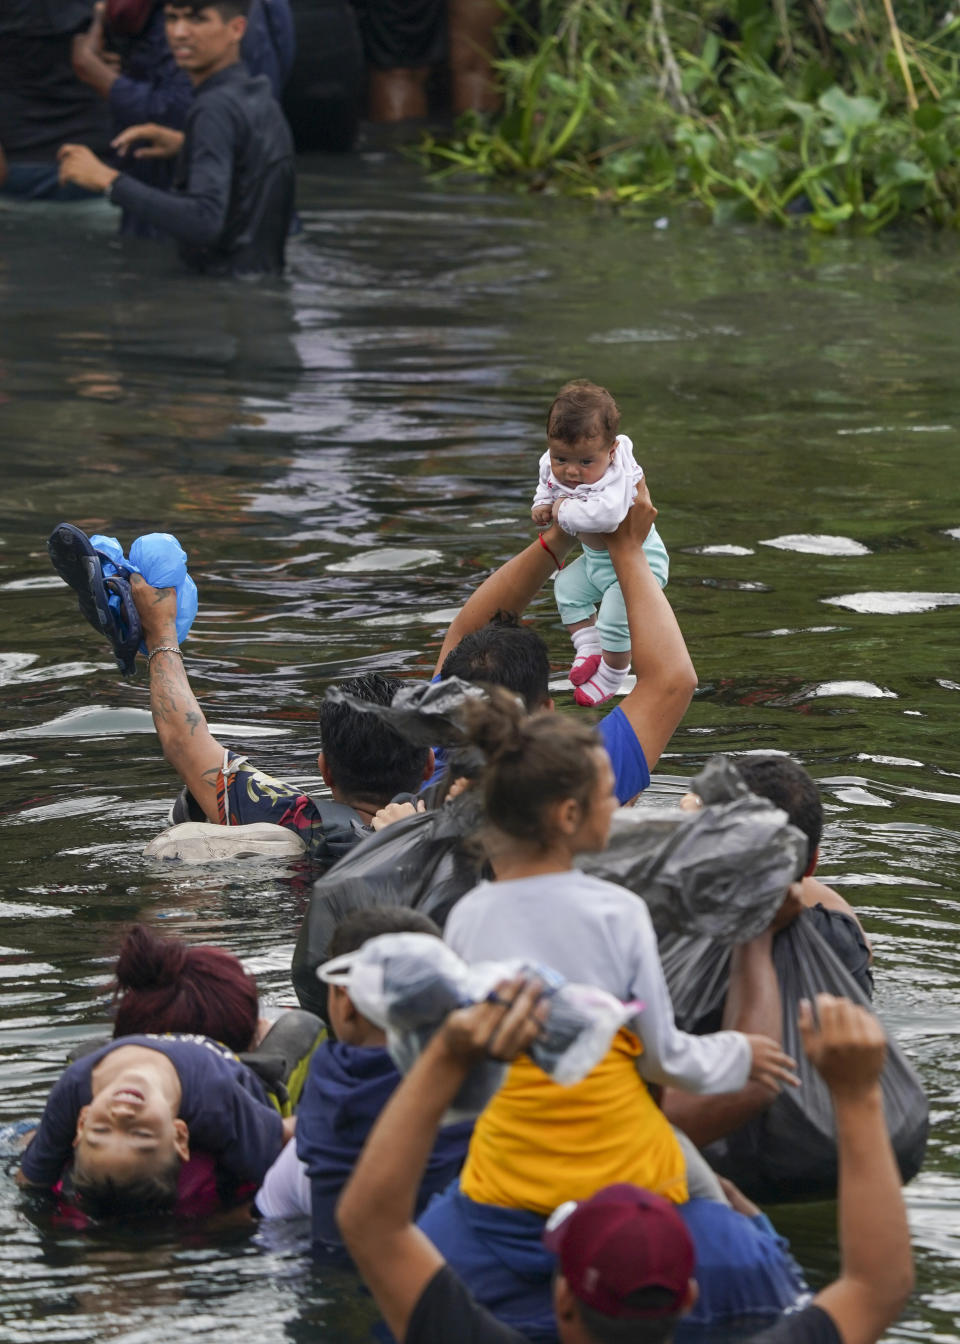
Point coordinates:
pixel 163 648
pixel 558 563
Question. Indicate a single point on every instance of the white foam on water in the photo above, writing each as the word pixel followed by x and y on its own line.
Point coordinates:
pixel 719 550
pixel 811 543
pixel 58 672
pixel 889 760
pixel 385 558
pixel 28 585
pixel 862 798
pixel 798 630
pixel 28 910
pixel 11 663
pixel 865 690
pixel 898 429
pixel 443 616
pixel 893 603
pixel 244 730
pixel 90 721
pixel 108 721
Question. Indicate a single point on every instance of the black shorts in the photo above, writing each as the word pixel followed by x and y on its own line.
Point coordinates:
pixel 400 34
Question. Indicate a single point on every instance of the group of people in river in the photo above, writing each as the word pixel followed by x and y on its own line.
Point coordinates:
pixel 172 108
pixel 579 1211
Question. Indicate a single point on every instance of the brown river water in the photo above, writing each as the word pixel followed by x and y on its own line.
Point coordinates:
pixel 345 455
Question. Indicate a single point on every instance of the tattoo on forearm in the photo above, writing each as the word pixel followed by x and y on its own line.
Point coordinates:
pixel 171 699
pixel 163 700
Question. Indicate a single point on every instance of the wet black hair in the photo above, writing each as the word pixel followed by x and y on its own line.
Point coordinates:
pixel 627 1330
pixel 103 1196
pixel 532 761
pixel 357 928
pixel 360 926
pixel 503 653
pixel 368 760
pixel 788 785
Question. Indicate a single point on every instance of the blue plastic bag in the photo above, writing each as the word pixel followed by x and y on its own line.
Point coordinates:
pixel 159 559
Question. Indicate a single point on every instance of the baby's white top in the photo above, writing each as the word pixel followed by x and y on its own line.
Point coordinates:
pixel 600 507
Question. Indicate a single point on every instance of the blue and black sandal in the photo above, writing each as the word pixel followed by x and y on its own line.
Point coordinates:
pixel 103 598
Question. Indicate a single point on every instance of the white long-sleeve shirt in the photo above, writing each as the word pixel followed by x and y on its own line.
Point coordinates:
pixel 600 507
pixel 597 933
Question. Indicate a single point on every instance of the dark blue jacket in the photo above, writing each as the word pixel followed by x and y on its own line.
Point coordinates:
pixel 346 1089
pixel 232 202
pixel 152 87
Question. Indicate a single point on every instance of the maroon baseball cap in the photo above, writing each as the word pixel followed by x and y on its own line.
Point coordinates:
pixel 617 1246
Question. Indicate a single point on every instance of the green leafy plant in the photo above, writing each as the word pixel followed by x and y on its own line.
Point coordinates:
pixel 806 113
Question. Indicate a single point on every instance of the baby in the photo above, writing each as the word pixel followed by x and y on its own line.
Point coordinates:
pixel 588 481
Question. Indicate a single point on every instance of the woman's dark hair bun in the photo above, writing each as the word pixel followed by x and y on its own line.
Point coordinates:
pixel 495 725
pixel 532 761
pixel 165 984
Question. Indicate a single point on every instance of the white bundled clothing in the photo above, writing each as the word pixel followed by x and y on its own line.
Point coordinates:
pixel 600 507
pixel 600 934
pixel 285 1192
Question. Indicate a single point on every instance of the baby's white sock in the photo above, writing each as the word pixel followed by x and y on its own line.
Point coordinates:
pixel 604 683
pixel 587 646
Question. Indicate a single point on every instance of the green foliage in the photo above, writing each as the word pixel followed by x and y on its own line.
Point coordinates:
pixel 815 113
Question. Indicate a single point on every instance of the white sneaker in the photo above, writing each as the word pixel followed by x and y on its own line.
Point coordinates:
pixel 203 842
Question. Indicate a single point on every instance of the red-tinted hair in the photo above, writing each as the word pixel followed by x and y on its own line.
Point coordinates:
pixel 163 984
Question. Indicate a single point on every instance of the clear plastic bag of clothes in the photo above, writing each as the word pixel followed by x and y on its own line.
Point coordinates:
pixel 789 1152
pixel 408 983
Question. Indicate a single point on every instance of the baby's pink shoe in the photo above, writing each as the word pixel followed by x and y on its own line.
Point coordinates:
pixel 592 694
pixel 583 668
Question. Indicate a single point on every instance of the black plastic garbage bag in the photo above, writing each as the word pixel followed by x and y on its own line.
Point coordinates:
pixel 426 713
pixel 722 871
pixel 789 1152
pixel 426 862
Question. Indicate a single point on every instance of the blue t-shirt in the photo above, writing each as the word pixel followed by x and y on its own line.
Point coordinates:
pixel 743 1269
pixel 630 769
pixel 223 1104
